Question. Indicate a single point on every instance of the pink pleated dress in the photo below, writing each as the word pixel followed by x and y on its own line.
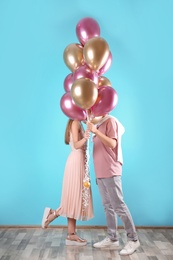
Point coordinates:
pixel 71 205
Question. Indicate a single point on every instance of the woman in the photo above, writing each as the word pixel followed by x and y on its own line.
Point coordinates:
pixel 71 205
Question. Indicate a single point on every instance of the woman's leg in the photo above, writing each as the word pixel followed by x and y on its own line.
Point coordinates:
pixel 72 238
pixel 71 225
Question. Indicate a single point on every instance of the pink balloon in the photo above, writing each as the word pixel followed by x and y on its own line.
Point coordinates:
pixel 106 101
pixel 68 82
pixel 106 66
pixel 86 29
pixel 85 72
pixel 70 109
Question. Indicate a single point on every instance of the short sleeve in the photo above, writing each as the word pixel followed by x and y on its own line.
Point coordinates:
pixel 111 128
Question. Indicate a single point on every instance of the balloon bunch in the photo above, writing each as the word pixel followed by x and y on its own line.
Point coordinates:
pixel 86 89
pixel 88 94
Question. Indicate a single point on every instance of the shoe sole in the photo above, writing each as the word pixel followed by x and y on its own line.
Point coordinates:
pixel 74 243
pixel 111 246
pixel 45 214
pixel 125 254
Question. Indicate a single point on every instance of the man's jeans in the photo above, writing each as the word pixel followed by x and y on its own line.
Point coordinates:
pixel 112 199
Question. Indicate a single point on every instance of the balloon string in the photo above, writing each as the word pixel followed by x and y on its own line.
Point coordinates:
pixel 86 180
pixel 88 116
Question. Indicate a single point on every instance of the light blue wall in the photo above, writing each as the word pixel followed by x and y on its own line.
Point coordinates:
pixel 33 36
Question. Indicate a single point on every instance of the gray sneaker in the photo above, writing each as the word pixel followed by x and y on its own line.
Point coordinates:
pixel 107 242
pixel 130 247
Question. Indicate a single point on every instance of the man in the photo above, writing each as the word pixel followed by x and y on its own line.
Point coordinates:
pixel 107 154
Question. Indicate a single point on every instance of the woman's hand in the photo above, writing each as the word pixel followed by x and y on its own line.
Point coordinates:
pixel 87 134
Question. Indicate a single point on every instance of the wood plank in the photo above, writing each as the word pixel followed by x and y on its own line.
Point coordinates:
pixel 36 243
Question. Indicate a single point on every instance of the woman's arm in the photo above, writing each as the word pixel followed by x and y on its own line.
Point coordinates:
pixel 78 143
pixel 107 141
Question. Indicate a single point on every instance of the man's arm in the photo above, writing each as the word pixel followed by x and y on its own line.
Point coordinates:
pixel 107 141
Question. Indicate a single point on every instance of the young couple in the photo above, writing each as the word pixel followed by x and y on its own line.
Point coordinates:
pixel 108 161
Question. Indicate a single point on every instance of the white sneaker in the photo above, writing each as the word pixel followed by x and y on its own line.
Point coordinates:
pixel 130 247
pixel 107 242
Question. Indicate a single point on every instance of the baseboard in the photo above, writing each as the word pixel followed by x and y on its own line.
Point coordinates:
pixel 82 227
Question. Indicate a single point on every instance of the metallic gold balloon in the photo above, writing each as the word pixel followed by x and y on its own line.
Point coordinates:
pixel 73 56
pixel 96 52
pixel 103 81
pixel 84 93
pixel 96 119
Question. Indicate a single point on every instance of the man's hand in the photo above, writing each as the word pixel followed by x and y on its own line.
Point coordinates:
pixel 91 127
pixel 107 141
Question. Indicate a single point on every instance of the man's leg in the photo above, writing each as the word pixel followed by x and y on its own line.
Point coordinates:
pixel 115 194
pixel 111 218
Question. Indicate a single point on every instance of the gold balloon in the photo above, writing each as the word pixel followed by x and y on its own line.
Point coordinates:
pixel 96 119
pixel 103 81
pixel 96 52
pixel 73 56
pixel 84 92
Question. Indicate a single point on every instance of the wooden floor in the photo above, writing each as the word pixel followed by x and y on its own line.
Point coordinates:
pixel 36 243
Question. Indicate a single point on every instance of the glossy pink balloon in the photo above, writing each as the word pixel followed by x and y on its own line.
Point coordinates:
pixel 70 109
pixel 106 66
pixel 106 101
pixel 85 72
pixel 86 29
pixel 68 82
